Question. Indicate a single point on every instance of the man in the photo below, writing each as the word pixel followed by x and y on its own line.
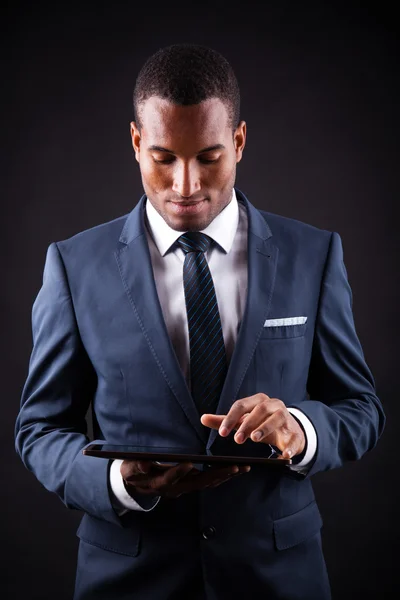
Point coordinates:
pixel 196 321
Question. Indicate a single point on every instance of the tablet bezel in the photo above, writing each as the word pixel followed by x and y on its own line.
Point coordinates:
pixel 176 455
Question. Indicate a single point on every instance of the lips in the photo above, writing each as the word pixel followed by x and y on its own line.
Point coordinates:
pixel 187 203
pixel 187 208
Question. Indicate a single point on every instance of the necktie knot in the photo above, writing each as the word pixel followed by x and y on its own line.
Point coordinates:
pixel 194 241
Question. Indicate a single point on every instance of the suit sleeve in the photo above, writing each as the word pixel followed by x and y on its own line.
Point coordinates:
pixel 343 406
pixel 51 429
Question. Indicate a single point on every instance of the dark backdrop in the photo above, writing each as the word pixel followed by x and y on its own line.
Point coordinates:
pixel 319 95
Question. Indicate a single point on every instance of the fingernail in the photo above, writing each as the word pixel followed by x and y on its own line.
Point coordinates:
pixel 223 431
pixel 239 438
pixel 245 469
pixel 257 436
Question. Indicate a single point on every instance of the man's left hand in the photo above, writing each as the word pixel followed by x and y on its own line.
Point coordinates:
pixel 262 419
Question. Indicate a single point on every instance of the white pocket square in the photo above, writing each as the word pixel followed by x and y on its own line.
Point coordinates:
pixel 286 321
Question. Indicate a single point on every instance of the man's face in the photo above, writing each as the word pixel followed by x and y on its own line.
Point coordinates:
pixel 187 184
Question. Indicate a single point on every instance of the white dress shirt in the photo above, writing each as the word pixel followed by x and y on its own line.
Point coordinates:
pixel 227 260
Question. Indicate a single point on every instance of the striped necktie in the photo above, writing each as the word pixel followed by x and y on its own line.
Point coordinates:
pixel 208 364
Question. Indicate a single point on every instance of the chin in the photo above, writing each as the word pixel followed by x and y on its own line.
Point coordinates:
pixel 189 224
pixel 185 223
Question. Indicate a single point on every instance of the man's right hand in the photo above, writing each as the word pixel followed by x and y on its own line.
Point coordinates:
pixel 145 477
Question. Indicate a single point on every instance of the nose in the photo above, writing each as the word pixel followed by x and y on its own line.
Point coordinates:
pixel 186 180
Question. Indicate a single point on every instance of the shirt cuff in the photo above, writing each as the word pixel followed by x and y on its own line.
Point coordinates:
pixel 311 440
pixel 121 500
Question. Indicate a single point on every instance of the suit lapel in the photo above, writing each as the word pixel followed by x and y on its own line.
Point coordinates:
pixel 134 263
pixel 262 265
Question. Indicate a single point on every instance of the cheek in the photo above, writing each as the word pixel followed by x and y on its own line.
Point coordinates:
pixel 219 178
pixel 154 178
pixel 227 168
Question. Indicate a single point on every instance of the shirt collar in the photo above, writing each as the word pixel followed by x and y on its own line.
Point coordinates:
pixel 222 229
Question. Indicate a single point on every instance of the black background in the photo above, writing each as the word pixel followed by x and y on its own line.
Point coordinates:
pixel 319 95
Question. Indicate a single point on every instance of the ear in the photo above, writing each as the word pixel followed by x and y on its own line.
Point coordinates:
pixel 240 140
pixel 136 138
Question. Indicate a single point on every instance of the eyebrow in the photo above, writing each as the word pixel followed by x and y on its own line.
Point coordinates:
pixel 208 149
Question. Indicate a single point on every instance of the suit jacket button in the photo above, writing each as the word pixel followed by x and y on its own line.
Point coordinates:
pixel 208 533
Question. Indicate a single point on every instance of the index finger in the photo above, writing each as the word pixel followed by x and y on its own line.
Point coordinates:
pixel 236 415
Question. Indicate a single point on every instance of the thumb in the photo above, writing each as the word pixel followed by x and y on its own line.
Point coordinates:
pixel 143 467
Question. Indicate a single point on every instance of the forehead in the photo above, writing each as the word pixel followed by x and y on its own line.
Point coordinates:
pixel 164 122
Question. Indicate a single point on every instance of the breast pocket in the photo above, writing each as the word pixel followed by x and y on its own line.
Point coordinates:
pixel 279 332
pixel 280 359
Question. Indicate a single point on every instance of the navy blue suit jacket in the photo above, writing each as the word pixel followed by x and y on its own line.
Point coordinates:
pixel 100 338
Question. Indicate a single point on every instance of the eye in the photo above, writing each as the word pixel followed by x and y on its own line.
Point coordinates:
pixel 168 161
pixel 164 162
pixel 208 161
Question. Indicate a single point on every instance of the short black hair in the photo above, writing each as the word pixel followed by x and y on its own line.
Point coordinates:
pixel 188 74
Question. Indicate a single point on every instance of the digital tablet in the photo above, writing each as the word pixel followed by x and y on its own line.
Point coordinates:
pixel 179 455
